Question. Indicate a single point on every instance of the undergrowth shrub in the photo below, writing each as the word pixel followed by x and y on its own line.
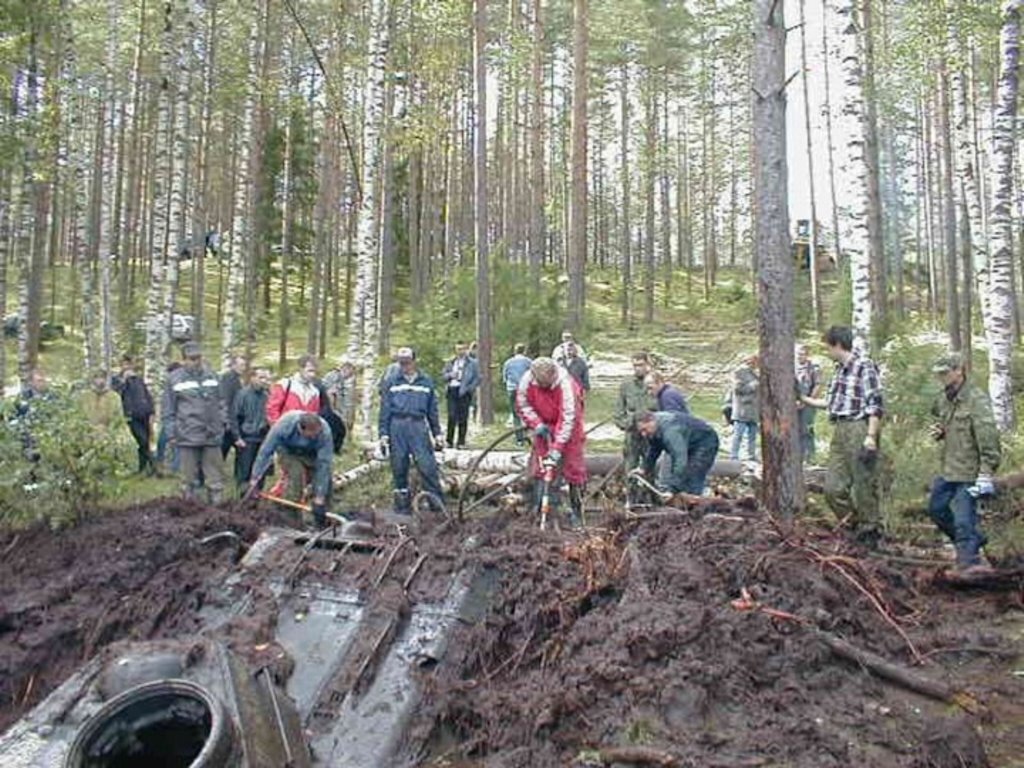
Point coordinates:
pixel 56 463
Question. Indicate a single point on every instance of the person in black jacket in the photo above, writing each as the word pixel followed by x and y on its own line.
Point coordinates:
pixel 137 405
pixel 231 383
pixel 248 421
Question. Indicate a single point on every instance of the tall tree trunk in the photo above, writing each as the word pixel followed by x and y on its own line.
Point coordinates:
pixel 854 170
pixel 362 337
pixel 387 259
pixel 876 229
pixel 782 489
pixel 627 233
pixel 812 247
pixel 484 333
pixel 240 242
pixel 826 65
pixel 650 148
pixel 949 214
pixel 286 232
pixel 577 255
pixel 1001 299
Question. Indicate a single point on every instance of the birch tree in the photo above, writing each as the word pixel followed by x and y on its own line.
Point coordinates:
pixel 782 490
pixel 853 168
pixel 484 333
pixel 999 324
pixel 363 326
pixel 240 240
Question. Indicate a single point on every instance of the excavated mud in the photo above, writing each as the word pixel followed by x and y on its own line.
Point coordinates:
pixel 137 574
pixel 668 640
pixel 692 643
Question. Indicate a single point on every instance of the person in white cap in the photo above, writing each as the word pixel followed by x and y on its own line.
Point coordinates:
pixel 409 426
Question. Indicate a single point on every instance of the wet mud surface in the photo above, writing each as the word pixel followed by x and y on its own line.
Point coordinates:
pixel 662 641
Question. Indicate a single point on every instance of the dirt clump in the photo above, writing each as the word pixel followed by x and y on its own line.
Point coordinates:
pixel 135 574
pixel 699 641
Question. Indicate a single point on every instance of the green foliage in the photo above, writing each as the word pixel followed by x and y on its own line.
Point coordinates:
pixel 74 467
pixel 518 315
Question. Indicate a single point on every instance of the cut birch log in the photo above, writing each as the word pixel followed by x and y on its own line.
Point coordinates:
pixel 350 476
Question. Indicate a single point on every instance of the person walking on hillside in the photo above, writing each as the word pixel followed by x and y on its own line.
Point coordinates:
pixel 195 418
pixel 855 409
pixel 249 424
pixel 231 382
pixel 137 406
pixel 633 399
pixel 512 371
pixel 461 378
pixel 668 397
pixel 577 366
pixel 100 403
pixel 742 408
pixel 409 426
pixel 298 392
pixel 550 403
pixel 558 354
pixel 808 384
pixel 340 383
pixel 304 446
pixel 691 444
pixel 971 453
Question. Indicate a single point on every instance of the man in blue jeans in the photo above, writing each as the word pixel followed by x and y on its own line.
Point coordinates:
pixel 970 456
pixel 511 372
pixel 742 408
pixel 691 444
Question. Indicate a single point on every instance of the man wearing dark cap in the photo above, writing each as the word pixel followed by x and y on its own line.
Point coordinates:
pixel 854 407
pixel 971 452
pixel 195 416
pixel 409 426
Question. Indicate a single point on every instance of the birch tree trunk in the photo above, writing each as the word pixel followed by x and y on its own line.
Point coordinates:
pixel 949 212
pixel 240 240
pixel 853 169
pixel 782 489
pixel 362 335
pixel 577 255
pixel 1001 299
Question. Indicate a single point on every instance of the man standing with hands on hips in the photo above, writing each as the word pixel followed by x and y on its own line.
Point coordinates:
pixel 854 407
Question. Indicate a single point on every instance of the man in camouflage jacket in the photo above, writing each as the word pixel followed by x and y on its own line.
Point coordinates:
pixel 970 456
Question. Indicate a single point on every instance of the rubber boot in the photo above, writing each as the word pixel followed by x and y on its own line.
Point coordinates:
pixel 403 505
pixel 575 506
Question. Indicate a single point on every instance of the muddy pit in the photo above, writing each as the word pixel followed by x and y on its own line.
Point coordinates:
pixel 664 641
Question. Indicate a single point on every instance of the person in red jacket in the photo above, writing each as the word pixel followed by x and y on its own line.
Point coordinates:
pixel 550 403
pixel 297 392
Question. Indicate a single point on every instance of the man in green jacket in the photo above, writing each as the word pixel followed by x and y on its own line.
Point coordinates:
pixel 970 456
pixel 634 400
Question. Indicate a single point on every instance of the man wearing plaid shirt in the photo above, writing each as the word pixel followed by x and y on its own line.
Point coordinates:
pixel 854 406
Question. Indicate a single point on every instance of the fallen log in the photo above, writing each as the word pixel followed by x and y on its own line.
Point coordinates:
pixel 991 579
pixel 639 756
pixel 350 476
pixel 895 673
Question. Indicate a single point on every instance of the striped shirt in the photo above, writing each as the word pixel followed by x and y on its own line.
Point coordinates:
pixel 855 391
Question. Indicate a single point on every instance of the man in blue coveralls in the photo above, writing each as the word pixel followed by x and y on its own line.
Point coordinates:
pixel 409 426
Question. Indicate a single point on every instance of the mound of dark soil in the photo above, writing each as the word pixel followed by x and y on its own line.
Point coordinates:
pixel 696 643
pixel 134 574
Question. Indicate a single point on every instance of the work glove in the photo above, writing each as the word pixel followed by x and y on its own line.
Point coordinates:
pixel 543 432
pixel 937 431
pixel 439 443
pixel 637 472
pixel 983 486
pixel 385 446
